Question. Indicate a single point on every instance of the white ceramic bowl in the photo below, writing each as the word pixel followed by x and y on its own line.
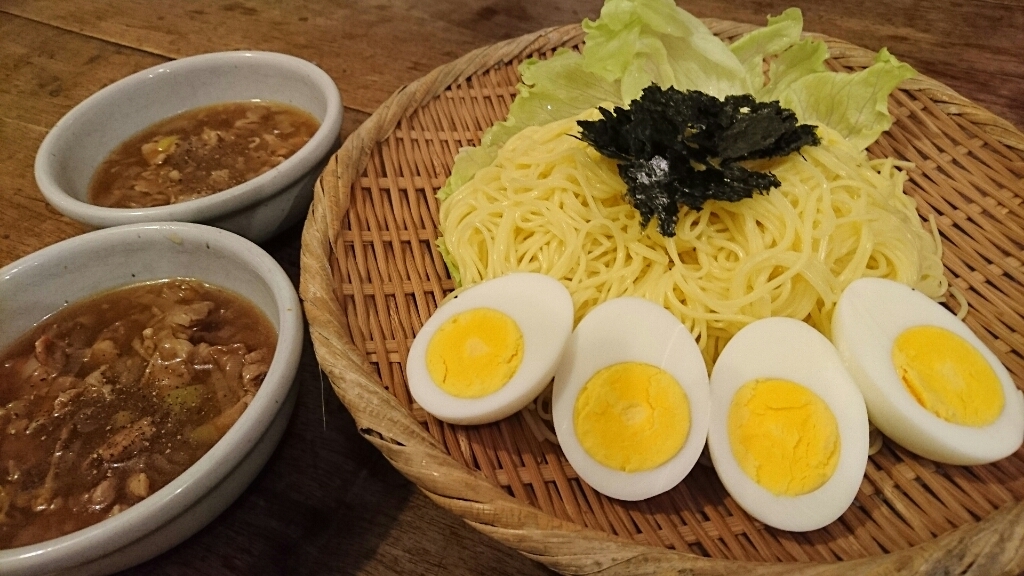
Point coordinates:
pixel 41 283
pixel 258 209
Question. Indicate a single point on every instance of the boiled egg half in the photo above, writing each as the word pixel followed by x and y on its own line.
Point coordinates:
pixel 789 429
pixel 487 353
pixel 630 399
pixel 929 383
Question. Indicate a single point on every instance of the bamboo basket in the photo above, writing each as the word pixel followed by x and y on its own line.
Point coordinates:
pixel 371 276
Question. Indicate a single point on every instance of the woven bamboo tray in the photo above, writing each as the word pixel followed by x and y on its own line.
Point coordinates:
pixel 371 276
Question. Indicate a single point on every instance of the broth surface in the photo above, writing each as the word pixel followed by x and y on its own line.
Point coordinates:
pixel 111 398
pixel 200 152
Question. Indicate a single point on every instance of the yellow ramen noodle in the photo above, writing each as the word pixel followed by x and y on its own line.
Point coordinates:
pixel 550 203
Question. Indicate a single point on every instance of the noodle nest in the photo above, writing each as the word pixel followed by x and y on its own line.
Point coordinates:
pixel 550 203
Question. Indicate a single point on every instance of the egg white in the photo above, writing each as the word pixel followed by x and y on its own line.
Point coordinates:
pixel 629 329
pixel 869 315
pixel 788 349
pixel 542 308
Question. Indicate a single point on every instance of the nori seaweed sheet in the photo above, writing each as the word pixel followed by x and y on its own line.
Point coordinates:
pixel 681 148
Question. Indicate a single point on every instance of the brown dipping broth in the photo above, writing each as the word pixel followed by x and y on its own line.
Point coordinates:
pixel 200 152
pixel 111 398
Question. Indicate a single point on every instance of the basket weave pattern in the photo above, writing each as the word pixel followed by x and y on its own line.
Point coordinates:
pixel 371 276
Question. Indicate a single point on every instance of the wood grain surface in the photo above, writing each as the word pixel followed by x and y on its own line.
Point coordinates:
pixel 328 502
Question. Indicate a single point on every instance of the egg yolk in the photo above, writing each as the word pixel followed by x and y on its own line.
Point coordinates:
pixel 632 416
pixel 783 436
pixel 947 376
pixel 475 353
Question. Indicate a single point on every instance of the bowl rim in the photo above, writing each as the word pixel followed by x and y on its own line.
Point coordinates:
pixel 210 207
pixel 138 521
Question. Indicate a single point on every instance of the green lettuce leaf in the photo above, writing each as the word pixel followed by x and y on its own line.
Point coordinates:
pixel 640 42
pixel 781 32
pixel 467 162
pixel 449 262
pixel 802 59
pixel 855 105
pixel 550 90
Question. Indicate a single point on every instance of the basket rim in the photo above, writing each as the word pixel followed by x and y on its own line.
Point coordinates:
pixel 987 545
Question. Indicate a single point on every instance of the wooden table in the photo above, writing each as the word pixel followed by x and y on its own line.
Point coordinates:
pixel 328 503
